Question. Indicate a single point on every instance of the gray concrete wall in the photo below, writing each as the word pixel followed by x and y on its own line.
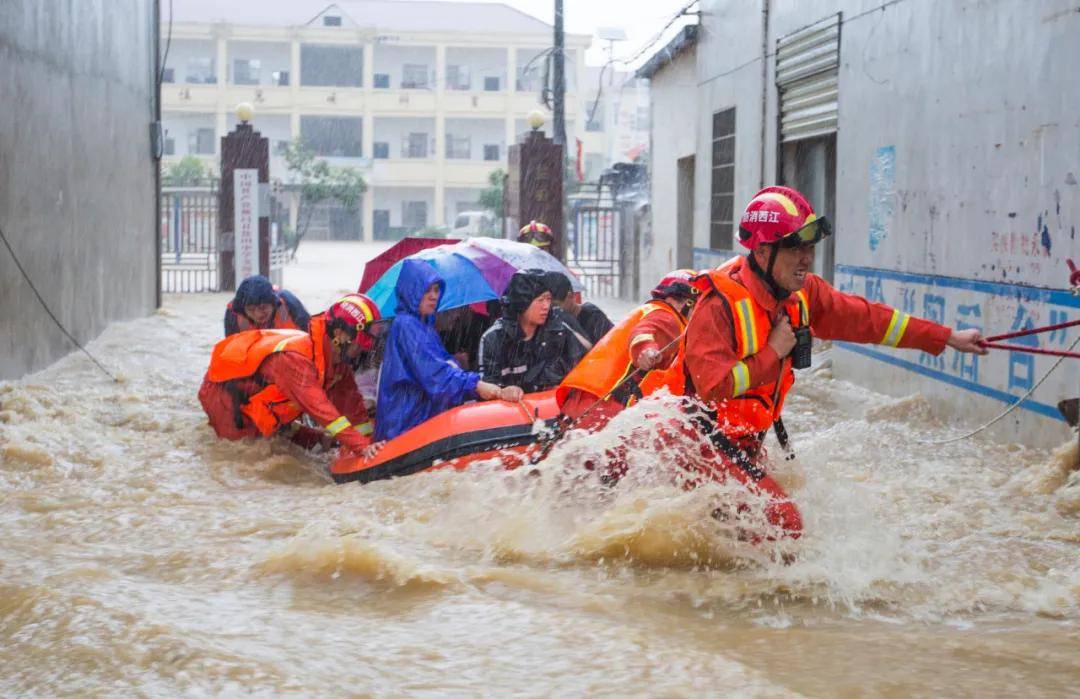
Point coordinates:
pixel 973 104
pixel 77 200
pixel 673 91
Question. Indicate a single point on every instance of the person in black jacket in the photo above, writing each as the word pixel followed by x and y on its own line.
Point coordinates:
pixel 528 347
pixel 589 317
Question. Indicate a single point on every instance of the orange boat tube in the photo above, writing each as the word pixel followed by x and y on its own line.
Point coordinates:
pixel 456 438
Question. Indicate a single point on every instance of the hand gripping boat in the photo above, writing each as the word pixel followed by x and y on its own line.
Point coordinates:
pixel 456 438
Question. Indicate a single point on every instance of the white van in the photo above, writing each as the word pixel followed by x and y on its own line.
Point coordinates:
pixel 473 223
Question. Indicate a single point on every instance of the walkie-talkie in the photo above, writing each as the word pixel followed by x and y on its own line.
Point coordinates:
pixel 800 356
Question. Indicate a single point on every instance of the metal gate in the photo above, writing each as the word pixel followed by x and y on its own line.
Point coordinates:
pixel 189 233
pixel 807 76
pixel 596 250
pixel 189 240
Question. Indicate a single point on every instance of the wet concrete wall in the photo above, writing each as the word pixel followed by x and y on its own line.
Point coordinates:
pixel 76 173
pixel 672 88
pixel 957 167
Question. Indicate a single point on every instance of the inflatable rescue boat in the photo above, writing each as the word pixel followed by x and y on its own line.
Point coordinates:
pixel 510 433
pixel 457 438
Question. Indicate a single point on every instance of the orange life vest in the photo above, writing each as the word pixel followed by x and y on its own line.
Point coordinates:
pixel 608 363
pixel 240 355
pixel 281 320
pixel 751 411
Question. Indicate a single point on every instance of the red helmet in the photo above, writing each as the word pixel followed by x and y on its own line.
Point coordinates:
pixel 358 314
pixel 781 215
pixel 536 233
pixel 678 284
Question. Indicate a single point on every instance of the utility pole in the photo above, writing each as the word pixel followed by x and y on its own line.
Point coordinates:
pixel 560 77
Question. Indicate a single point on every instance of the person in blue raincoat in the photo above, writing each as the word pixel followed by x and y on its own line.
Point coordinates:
pixel 419 379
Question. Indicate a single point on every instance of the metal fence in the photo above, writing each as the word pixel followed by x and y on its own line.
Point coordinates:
pixel 189 234
pixel 596 250
pixel 189 240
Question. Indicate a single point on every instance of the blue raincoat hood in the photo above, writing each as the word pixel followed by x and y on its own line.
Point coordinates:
pixel 413 282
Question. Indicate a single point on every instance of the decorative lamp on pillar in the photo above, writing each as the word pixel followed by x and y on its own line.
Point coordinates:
pixel 243 203
pixel 534 190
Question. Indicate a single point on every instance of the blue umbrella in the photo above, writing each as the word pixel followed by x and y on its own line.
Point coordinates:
pixel 465 283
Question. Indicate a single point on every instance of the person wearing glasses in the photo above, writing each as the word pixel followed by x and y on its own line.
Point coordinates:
pixel 755 318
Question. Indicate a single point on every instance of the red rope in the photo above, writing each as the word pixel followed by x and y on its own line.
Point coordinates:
pixel 1033 331
pixel 1030 350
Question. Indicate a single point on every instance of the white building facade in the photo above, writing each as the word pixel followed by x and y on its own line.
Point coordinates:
pixel 947 162
pixel 424 98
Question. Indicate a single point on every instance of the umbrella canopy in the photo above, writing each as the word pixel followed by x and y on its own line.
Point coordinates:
pixel 378 265
pixel 524 256
pixel 475 271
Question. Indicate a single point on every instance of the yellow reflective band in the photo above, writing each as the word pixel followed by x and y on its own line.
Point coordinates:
pixel 644 337
pixel 740 373
pixel 337 426
pixel 897 327
pixel 784 201
pixel 366 428
pixel 281 345
pixel 804 309
pixel 747 327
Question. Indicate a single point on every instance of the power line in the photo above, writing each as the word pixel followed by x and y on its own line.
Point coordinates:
pixel 44 305
pixel 755 59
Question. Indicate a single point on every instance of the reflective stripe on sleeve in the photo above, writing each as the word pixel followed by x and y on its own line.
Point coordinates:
pixel 337 426
pixel 804 309
pixel 744 315
pixel 740 374
pixel 644 337
pixel 366 428
pixel 896 329
pixel 281 345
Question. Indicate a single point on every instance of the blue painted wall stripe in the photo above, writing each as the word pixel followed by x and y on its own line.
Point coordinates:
pixel 1039 294
pixel 1030 404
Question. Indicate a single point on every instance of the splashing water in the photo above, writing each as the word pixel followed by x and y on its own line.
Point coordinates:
pixel 141 553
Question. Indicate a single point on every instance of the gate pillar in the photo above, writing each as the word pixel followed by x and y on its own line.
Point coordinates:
pixel 243 149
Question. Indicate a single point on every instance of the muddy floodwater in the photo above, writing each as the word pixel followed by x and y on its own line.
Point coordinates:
pixel 141 556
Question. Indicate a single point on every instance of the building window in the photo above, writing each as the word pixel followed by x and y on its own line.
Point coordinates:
pixel 331 21
pixel 380 150
pixel 416 145
pixel 597 122
pixel 413 215
pixel 201 142
pixel 492 84
pixel 382 80
pixel 457 78
pixel 722 209
pixel 170 144
pixel 458 147
pixel 201 71
pixel 168 75
pixel 381 223
pixel 528 79
pixel 414 76
pixel 280 78
pixel 331 66
pixel 246 71
pixel 641 119
pixel 338 137
pixel 491 151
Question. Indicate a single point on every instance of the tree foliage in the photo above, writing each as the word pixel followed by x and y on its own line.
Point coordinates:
pixel 319 181
pixel 491 197
pixel 187 172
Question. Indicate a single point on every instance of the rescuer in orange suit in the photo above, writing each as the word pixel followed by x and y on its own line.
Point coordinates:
pixel 754 321
pixel 635 358
pixel 260 381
